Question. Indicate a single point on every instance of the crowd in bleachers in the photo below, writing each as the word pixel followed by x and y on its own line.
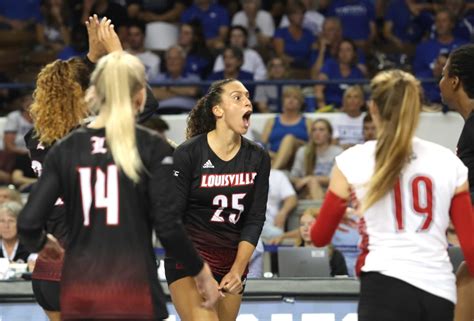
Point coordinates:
pixel 251 40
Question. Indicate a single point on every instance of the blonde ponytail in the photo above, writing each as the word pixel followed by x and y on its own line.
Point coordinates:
pixel 397 96
pixel 117 78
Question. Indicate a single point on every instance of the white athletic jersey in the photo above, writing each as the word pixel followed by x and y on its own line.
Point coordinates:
pixel 404 233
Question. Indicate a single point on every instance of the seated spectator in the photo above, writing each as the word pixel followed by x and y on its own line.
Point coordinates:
pixel 175 99
pixel 287 131
pixel 11 248
pixel 357 18
pixel 337 262
pixel 314 161
pixel 463 28
pixel 327 44
pixel 136 43
pixel 18 123
pixel 78 46
pixel 213 18
pixel 349 123
pixel 54 32
pixel 23 176
pixel 428 51
pixel 9 194
pixel 266 96
pixel 294 43
pixel 281 202
pixel 312 20
pixel 253 62
pixel 369 130
pixel 259 23
pixel 156 10
pixel 198 57
pixel 405 23
pixel 431 90
pixel 233 60
pixel 19 15
pixel 344 67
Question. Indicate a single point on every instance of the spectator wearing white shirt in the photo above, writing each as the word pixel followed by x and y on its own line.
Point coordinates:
pixel 259 23
pixel 136 41
pixel 312 20
pixel 253 62
pixel 348 125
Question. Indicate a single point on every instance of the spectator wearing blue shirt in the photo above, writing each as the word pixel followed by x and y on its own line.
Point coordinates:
pixel 19 15
pixel 294 43
pixel 358 19
pixel 213 18
pixel 463 28
pixel 198 57
pixel 175 99
pixel 233 60
pixel 428 51
pixel 343 68
pixel 405 24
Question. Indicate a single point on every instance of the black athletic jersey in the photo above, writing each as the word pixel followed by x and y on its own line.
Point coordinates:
pixel 109 266
pixel 224 202
pixel 465 150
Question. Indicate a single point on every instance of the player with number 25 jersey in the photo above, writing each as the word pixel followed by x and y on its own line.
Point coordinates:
pixel 226 200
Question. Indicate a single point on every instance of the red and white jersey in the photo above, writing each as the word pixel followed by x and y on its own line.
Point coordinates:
pixel 404 233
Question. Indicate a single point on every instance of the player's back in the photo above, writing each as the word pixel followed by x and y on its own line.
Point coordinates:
pixel 404 233
pixel 110 259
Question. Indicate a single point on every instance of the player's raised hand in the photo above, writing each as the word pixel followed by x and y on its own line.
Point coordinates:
pixel 108 37
pixel 207 287
pixel 52 250
pixel 96 48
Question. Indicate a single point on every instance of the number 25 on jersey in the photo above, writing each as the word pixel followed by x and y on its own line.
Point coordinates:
pixel 104 195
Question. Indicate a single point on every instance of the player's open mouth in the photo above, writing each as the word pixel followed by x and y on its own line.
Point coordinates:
pixel 246 118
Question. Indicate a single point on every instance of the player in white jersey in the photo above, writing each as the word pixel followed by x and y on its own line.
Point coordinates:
pixel 406 190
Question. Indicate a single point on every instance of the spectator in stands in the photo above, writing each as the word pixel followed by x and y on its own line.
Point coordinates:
pixel 428 51
pixel 294 43
pixel 54 31
pixel 266 96
pixel 312 20
pixel 9 194
pixel 78 45
pixel 18 123
pixel 136 42
pixel 357 18
pixel 344 67
pixel 176 99
pixel 259 23
pixel 431 90
pixel 327 44
pixel 23 176
pixel 405 23
pixel 253 62
pixel 233 60
pixel 198 57
pixel 369 130
pixel 282 200
pixel 287 131
pixel 214 21
pixel 19 15
pixel 348 125
pixel 462 26
pixel 11 247
pixel 313 162
pixel 156 10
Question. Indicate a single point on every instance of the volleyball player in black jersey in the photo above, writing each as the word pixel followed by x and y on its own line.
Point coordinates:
pixel 59 107
pixel 223 187
pixel 114 178
pixel 457 91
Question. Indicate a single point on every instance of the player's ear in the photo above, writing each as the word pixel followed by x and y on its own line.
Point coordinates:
pixel 217 111
pixel 455 82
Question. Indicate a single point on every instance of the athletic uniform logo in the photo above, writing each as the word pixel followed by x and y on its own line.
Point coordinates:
pixel 227 180
pixel 98 145
pixel 208 164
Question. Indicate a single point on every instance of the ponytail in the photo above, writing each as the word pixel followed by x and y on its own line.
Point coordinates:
pixel 201 119
pixel 397 96
pixel 117 79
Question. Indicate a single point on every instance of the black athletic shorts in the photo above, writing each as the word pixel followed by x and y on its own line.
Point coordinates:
pixel 47 294
pixel 383 298
pixel 173 273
